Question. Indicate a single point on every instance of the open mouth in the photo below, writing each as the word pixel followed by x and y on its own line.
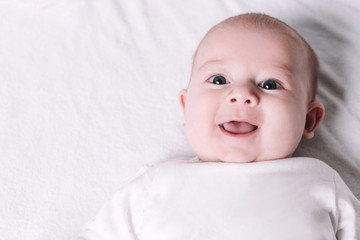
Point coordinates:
pixel 237 128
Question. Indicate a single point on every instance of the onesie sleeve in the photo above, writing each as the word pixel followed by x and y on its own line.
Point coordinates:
pixel 348 212
pixel 120 217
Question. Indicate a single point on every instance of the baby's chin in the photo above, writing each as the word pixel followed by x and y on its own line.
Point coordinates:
pixel 229 159
pixel 241 159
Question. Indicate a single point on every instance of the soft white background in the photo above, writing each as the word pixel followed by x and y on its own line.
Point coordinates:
pixel 89 94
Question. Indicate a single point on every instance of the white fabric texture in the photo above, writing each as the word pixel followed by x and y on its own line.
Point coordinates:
pixel 295 198
pixel 89 94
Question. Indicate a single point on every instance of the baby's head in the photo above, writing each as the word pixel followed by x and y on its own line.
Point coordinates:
pixel 251 95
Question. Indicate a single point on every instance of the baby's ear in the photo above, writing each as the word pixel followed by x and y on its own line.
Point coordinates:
pixel 314 116
pixel 183 94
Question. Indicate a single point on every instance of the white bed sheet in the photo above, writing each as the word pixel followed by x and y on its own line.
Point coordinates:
pixel 89 94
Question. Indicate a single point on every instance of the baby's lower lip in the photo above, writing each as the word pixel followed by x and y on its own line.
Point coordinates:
pixel 238 128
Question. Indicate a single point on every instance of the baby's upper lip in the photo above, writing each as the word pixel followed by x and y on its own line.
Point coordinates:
pixel 238 127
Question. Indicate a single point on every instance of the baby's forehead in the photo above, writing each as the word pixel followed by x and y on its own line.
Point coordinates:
pixel 219 34
pixel 256 22
pixel 283 33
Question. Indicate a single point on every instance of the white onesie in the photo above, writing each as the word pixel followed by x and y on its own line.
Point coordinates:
pixel 288 199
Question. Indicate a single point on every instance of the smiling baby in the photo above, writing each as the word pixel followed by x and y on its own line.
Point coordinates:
pixel 250 100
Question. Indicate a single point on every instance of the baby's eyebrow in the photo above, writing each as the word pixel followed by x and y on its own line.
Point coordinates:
pixel 209 63
pixel 286 69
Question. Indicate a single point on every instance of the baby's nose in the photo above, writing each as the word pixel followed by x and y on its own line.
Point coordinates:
pixel 233 100
pixel 246 97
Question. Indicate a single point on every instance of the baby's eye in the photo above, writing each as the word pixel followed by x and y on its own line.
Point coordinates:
pixel 270 84
pixel 218 80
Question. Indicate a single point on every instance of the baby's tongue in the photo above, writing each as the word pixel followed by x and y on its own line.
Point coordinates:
pixel 238 127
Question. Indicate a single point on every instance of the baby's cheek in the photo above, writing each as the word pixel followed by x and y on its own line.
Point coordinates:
pixel 293 126
pixel 287 121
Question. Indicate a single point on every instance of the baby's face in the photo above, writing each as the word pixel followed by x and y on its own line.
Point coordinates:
pixel 247 98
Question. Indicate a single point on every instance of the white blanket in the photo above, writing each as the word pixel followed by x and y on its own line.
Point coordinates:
pixel 89 93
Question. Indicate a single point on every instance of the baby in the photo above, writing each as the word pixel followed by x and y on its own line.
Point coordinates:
pixel 250 100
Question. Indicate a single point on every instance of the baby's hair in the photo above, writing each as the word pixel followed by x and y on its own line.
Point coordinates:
pixel 262 21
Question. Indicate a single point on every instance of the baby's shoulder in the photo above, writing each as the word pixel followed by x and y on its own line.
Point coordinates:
pixel 146 174
pixel 309 167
